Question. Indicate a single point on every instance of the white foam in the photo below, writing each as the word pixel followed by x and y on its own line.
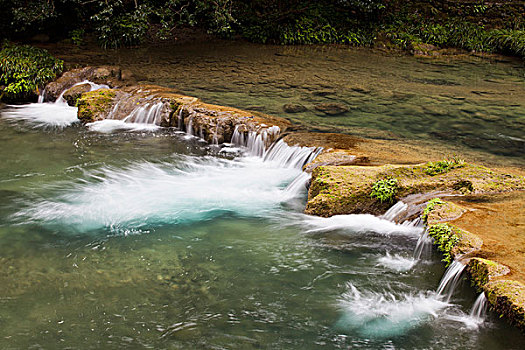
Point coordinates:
pixel 358 223
pixel 384 314
pixel 108 126
pixel 397 262
pixel 147 194
pixel 42 114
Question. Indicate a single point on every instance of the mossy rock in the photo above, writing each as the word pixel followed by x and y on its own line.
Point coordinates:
pixel 346 189
pixel 95 105
pixel 73 94
pixel 482 271
pixel 507 298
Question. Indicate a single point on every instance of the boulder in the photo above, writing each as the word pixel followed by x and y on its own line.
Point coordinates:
pixel 73 94
pixel 109 75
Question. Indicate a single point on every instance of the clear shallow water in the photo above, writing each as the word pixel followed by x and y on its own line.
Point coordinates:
pixel 466 104
pixel 149 239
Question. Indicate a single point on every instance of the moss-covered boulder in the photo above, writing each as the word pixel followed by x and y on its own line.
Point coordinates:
pixel 507 298
pixel 95 105
pixel 347 189
pixel 482 271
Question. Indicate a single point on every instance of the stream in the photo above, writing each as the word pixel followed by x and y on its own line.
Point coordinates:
pixel 129 235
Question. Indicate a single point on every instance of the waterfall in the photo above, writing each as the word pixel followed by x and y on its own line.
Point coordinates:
pixel 255 142
pixel 423 246
pixel 450 280
pixel 41 96
pixel 60 99
pixel 291 156
pixel 395 210
pixel 479 309
pixel 147 114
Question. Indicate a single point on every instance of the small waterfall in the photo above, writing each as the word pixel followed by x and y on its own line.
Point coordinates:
pixel 41 96
pixel 479 309
pixel 423 247
pixel 298 184
pixel 189 128
pixel 256 143
pixel 60 99
pixel 291 156
pixel 450 280
pixel 147 114
pixel 395 210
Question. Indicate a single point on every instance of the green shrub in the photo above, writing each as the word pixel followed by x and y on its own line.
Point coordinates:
pixel 385 190
pixel 25 70
pixel 115 28
pixel 77 36
pixel 445 239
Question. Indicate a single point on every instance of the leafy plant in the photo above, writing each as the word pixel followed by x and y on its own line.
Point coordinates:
pixel 443 166
pixel 385 190
pixel 25 69
pixel 77 36
pixel 445 239
pixel 430 206
pixel 115 27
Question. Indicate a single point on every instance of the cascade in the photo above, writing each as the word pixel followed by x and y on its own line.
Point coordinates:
pixel 479 309
pixel 423 246
pixel 150 113
pixel 450 280
pixel 394 211
pixel 60 99
pixel 278 152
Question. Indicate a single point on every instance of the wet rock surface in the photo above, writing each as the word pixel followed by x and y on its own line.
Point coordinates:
pixel 167 108
pixel 73 94
pixel 112 76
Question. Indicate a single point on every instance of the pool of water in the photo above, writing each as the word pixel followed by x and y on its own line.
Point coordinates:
pixel 467 104
pixel 148 238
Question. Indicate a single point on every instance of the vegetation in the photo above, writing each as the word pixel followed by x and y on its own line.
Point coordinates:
pixel 445 239
pixel 385 190
pixel 471 25
pixel 25 70
pixel 443 166
pixel 430 206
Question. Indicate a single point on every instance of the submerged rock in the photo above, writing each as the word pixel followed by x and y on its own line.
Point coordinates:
pixel 294 108
pixel 331 109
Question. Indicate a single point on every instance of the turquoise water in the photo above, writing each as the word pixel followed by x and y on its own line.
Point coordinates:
pixel 152 239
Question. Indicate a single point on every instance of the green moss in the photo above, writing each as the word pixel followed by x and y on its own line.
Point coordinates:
pixel 445 239
pixel 385 190
pixel 92 104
